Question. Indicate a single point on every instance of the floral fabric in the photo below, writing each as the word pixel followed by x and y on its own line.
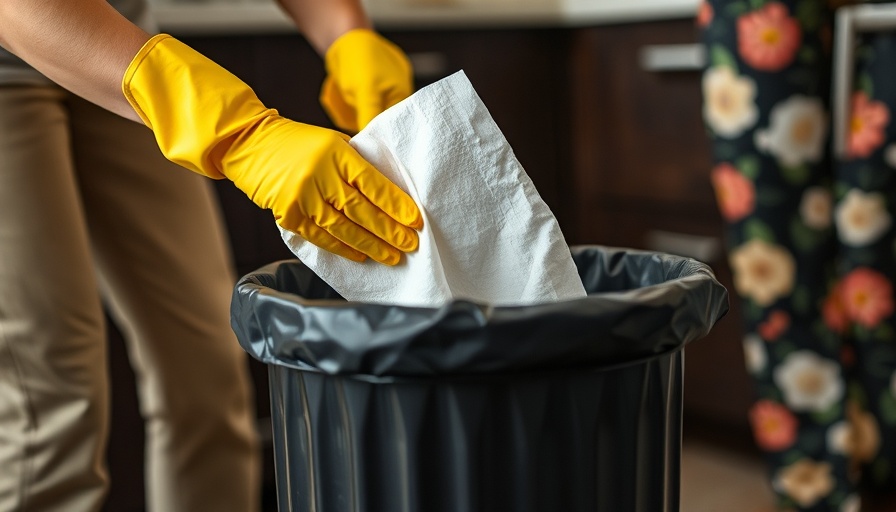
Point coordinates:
pixel 811 242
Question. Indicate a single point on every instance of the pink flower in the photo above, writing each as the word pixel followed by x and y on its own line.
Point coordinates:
pixel 768 38
pixel 734 192
pixel 704 14
pixel 866 127
pixel 774 426
pixel 867 296
pixel 774 326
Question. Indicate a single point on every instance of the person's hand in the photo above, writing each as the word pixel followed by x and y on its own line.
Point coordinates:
pixel 366 74
pixel 316 184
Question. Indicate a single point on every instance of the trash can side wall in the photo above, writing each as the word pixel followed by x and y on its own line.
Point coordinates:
pixel 573 441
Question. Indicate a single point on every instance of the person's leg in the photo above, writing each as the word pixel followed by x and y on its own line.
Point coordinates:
pixel 53 384
pixel 766 94
pixel 865 208
pixel 165 270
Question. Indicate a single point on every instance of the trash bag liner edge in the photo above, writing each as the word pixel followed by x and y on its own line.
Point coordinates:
pixel 640 305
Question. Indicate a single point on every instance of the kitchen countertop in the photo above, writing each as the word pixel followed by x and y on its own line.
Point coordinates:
pixel 264 16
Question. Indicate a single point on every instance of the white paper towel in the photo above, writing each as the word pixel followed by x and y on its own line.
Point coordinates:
pixel 488 236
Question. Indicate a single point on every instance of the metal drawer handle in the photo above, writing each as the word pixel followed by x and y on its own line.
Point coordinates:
pixel 673 57
pixel 429 64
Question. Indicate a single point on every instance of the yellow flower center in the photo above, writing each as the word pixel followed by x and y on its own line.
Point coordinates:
pixel 761 270
pixel 810 383
pixel 770 36
pixel 859 219
pixel 856 125
pixel 770 425
pixel 802 131
pixel 861 299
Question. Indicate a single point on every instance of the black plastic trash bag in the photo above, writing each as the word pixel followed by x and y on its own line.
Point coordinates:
pixel 569 406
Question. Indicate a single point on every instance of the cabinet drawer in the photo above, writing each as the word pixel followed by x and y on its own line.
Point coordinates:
pixel 639 129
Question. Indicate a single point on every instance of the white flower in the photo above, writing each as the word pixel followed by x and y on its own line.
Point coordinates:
pixel 861 218
pixel 754 353
pixel 797 131
pixel 806 481
pixel 839 437
pixel 815 207
pixel 809 382
pixel 890 155
pixel 729 105
pixel 851 504
pixel 763 272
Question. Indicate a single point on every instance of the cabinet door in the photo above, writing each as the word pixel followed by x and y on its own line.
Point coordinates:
pixel 641 176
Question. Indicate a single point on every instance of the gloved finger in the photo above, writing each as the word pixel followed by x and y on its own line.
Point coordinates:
pixel 356 237
pixel 319 237
pixel 364 213
pixel 386 195
pixel 338 110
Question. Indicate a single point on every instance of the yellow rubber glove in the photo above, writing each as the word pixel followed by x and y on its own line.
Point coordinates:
pixel 316 184
pixel 366 74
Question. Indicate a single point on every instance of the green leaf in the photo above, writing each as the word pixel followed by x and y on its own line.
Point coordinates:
pixel 865 84
pixel 832 414
pixel 748 166
pixel 735 9
pixel 752 311
pixel 840 190
pixel 880 470
pixel 757 4
pixel 828 339
pixel 756 229
pixel 884 333
pixel 720 56
pixel 861 333
pixel 770 196
pixel 782 349
pixel 791 457
pixel 807 55
pixel 857 394
pixel 805 239
pixel 835 499
pixel 795 175
pixel 801 300
pixel 887 405
pixel 768 392
pixel 808 14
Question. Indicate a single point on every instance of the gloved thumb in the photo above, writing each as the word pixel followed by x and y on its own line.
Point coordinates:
pixel 368 108
pixel 340 112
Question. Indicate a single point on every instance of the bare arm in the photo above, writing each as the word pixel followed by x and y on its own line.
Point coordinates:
pixel 83 45
pixel 323 21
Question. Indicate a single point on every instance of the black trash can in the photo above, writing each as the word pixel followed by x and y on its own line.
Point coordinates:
pixel 562 407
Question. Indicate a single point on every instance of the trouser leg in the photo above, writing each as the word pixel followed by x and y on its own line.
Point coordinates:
pixel 165 269
pixel 766 97
pixel 53 384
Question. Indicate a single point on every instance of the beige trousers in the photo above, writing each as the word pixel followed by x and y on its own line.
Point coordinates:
pixel 89 208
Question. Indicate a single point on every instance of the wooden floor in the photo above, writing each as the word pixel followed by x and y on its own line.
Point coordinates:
pixel 715 479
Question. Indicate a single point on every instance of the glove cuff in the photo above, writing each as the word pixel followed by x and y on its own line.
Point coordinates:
pixel 195 108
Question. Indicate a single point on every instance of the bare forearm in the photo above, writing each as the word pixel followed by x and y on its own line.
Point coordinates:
pixel 83 45
pixel 323 21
